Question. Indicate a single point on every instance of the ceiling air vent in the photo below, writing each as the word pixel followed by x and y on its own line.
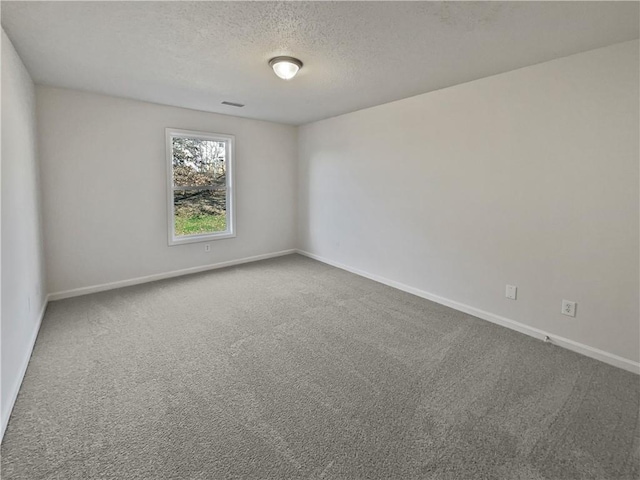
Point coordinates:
pixel 232 104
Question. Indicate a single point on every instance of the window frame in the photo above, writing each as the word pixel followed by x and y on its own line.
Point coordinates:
pixel 229 140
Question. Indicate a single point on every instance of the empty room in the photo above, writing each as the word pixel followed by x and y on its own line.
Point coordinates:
pixel 320 240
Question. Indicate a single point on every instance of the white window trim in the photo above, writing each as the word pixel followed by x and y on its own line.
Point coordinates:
pixel 230 232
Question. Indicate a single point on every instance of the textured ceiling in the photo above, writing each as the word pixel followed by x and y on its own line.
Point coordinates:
pixel 355 54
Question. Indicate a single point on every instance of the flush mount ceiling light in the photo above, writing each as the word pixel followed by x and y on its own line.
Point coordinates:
pixel 285 67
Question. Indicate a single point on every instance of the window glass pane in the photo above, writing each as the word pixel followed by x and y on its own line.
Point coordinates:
pixel 199 211
pixel 198 162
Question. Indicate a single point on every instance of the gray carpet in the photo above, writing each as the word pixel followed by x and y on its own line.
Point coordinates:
pixel 289 368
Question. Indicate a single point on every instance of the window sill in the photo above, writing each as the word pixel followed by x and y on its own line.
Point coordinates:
pixel 200 238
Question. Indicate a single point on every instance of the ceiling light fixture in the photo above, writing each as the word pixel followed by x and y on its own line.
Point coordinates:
pixel 285 67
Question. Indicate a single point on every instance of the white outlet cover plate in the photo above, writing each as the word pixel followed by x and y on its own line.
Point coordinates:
pixel 511 292
pixel 568 308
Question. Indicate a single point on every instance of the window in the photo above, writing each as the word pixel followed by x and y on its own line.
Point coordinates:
pixel 200 181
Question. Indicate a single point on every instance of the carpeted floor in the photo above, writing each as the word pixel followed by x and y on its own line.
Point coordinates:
pixel 289 368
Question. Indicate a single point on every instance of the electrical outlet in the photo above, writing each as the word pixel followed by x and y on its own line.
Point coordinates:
pixel 511 292
pixel 568 308
pixel 207 247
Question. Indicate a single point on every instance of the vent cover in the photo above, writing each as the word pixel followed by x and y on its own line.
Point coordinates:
pixel 232 104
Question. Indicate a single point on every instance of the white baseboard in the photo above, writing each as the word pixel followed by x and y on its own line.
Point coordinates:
pixel 76 292
pixel 15 388
pixel 592 352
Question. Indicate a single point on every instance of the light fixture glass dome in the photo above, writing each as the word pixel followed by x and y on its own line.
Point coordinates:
pixel 285 67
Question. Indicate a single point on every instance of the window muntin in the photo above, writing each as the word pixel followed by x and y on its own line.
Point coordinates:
pixel 200 181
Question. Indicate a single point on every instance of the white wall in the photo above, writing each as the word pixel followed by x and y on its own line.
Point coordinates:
pixel 528 178
pixel 22 258
pixel 104 188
